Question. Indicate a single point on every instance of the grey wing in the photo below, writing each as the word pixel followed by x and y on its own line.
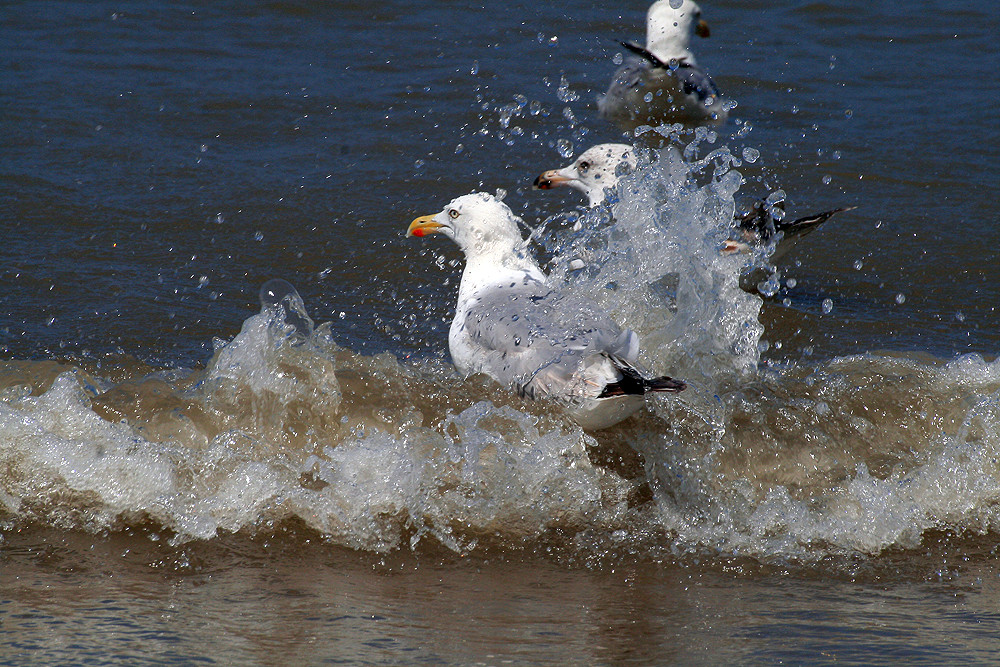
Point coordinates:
pixel 631 75
pixel 627 83
pixel 527 331
pixel 696 81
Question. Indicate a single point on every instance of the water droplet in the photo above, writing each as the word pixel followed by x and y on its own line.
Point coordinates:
pixel 791 282
pixel 565 148
pixel 417 164
pixel 618 59
pixel 827 306
pixel 835 155
pixel 848 113
pixel 826 179
pixel 459 148
pixel 795 109
pixel 564 93
pixel 858 264
pixel 769 287
pixel 648 97
pixel 282 303
pixel 960 316
pixel 900 298
pixel 751 154
pixel 258 236
pixel 475 67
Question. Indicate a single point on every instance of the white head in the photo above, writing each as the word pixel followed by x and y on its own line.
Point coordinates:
pixel 482 226
pixel 669 26
pixel 596 168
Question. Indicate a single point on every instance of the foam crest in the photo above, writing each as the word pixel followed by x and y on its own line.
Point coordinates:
pixel 862 455
pixel 489 472
pixel 857 455
pixel 266 433
pixel 64 465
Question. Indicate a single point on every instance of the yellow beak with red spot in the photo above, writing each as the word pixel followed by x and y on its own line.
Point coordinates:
pixel 424 225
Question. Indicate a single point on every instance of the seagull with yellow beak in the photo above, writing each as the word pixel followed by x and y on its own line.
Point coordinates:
pixel 512 325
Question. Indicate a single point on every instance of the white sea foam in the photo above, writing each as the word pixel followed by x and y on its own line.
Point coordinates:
pixel 260 450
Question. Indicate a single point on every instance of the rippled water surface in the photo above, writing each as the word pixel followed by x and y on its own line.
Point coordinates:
pixel 189 473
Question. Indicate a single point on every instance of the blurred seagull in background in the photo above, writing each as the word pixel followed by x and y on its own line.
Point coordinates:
pixel 662 83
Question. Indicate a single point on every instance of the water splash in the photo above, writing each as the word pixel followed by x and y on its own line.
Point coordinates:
pixel 652 259
pixel 281 303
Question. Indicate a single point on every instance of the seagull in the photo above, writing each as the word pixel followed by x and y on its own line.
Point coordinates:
pixel 597 168
pixel 663 83
pixel 600 167
pixel 759 226
pixel 513 325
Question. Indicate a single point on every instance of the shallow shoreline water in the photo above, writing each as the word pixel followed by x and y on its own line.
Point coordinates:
pixel 251 601
pixel 188 475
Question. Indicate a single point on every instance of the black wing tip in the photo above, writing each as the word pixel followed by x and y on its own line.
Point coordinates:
pixel 644 53
pixel 665 384
pixel 634 384
pixel 812 221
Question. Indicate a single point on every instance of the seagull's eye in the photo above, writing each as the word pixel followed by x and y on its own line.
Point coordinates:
pixel 583 167
pixel 453 213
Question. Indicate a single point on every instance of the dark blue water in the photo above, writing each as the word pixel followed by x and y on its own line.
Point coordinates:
pixel 160 161
pixel 168 159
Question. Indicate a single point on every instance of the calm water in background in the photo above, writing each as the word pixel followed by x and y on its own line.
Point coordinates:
pixel 162 502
